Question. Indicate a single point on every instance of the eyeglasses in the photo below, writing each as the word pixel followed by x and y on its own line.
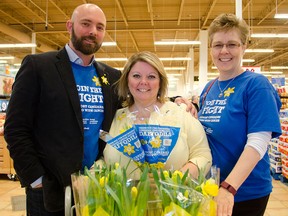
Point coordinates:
pixel 228 46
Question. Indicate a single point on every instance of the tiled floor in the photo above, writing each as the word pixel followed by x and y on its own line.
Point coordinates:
pixel 277 206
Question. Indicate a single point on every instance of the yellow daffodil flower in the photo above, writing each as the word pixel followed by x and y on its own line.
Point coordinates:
pixel 103 181
pixel 100 211
pixel 134 192
pixel 210 188
pixel 175 174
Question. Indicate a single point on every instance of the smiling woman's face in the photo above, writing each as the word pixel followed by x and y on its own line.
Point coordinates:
pixel 143 83
pixel 228 58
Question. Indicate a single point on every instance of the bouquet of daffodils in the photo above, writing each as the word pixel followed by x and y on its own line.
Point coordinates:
pixel 185 196
pixel 106 191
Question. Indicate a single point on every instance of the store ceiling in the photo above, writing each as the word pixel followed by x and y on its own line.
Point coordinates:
pixel 136 24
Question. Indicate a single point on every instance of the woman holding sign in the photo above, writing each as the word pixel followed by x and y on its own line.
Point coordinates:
pixel 168 136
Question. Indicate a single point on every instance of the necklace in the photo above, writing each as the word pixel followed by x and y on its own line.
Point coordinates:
pixel 221 91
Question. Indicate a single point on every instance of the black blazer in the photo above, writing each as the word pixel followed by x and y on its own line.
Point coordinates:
pixel 44 127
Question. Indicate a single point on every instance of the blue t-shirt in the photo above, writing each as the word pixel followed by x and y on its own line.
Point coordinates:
pixel 92 107
pixel 249 104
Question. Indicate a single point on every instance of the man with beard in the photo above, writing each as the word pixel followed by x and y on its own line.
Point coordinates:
pixel 60 101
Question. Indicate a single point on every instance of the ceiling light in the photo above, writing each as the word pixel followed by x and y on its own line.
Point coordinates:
pixel 269 35
pixel 6 57
pixel 3 61
pixel 271 72
pixel 109 44
pixel 248 60
pixel 259 50
pixel 175 68
pixel 281 16
pixel 18 45
pixel 173 79
pixel 176 42
pixel 279 67
pixel 173 74
pixel 212 74
pixel 176 59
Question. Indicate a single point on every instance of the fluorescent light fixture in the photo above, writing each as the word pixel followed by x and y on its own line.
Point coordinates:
pixel 281 16
pixel 271 72
pixel 212 74
pixel 269 35
pixel 17 64
pixel 18 45
pixel 174 75
pixel 6 57
pixel 279 67
pixel 14 69
pixel 176 42
pixel 175 68
pixel 248 60
pixel 176 59
pixel 259 50
pixel 111 59
pixel 173 79
pixel 109 44
pixel 3 61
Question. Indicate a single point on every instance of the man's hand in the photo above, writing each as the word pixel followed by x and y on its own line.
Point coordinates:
pixel 190 107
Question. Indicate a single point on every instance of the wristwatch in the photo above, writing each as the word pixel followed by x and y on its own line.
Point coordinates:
pixel 228 187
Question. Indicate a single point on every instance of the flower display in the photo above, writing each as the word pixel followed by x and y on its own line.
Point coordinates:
pixel 106 191
pixel 182 195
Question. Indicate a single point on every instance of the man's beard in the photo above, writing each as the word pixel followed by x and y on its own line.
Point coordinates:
pixel 86 49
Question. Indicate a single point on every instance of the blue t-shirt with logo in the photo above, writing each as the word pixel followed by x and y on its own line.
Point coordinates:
pixel 92 107
pixel 249 104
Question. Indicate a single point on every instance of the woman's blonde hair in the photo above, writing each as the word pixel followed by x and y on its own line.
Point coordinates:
pixel 154 61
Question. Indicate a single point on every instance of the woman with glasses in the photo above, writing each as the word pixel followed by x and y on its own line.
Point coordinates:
pixel 239 112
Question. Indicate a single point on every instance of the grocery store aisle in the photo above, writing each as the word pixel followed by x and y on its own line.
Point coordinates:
pixel 12 199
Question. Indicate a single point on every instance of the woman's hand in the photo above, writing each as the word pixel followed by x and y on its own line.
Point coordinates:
pixel 225 202
pixel 193 169
pixel 190 107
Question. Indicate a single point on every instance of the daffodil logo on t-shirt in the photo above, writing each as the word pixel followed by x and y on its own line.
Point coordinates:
pixel 229 91
pixel 96 81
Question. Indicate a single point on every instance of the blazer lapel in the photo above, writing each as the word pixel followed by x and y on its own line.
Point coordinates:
pixel 100 69
pixel 65 71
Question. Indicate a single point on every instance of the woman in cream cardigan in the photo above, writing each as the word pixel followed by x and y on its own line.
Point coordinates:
pixel 143 87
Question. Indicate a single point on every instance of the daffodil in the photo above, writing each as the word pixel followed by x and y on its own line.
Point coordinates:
pixel 209 188
pixel 134 192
